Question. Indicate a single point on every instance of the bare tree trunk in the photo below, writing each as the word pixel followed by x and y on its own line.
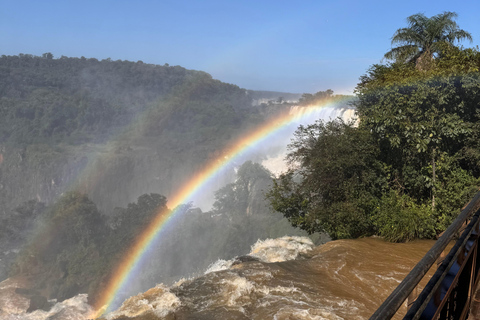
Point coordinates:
pixel 425 62
pixel 433 179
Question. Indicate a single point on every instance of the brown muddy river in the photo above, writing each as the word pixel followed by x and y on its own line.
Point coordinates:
pixel 344 279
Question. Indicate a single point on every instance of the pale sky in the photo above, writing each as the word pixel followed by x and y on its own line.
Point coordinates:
pixel 291 46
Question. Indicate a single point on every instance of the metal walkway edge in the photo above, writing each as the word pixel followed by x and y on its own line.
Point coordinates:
pixel 449 292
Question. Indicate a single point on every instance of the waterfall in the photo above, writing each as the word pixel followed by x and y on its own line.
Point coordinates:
pixel 276 152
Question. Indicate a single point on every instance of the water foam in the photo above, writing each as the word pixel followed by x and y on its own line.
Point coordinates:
pixel 75 308
pixel 281 249
pixel 269 250
pixel 305 314
pixel 237 291
pixel 10 302
pixel 158 301
pixel 302 289
pixel 219 265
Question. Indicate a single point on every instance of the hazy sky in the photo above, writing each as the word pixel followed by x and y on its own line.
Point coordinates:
pixel 293 46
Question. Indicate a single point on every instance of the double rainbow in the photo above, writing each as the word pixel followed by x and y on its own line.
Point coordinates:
pixel 132 260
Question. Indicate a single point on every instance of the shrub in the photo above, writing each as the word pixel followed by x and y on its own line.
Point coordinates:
pixel 399 219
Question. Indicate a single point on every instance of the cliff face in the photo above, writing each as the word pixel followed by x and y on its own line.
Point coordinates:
pixel 35 172
pixel 110 176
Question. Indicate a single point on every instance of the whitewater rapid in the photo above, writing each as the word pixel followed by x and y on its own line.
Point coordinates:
pixel 14 305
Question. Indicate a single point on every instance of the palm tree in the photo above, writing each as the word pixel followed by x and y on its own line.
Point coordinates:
pixel 424 38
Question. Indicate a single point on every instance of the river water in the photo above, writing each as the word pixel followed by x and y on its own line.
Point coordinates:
pixel 286 278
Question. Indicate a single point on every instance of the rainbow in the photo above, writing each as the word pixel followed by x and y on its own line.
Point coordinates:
pixel 132 260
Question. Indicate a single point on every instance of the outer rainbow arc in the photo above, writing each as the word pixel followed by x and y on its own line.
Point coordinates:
pixel 134 254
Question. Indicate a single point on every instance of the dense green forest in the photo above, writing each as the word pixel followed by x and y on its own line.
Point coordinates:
pixel 78 100
pixel 412 162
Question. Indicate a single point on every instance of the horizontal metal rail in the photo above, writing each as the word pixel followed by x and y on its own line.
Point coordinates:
pixel 464 258
pixel 390 306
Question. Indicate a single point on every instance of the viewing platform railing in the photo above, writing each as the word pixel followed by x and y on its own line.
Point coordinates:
pixel 449 292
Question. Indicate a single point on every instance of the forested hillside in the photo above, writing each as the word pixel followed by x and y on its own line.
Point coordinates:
pixel 77 100
pixel 64 121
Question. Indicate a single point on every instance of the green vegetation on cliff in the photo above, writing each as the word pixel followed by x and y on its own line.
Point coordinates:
pixel 412 162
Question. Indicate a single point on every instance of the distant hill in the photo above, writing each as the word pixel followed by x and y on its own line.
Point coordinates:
pixel 42 98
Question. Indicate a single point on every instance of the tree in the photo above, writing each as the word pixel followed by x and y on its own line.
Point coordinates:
pixel 47 55
pixel 415 123
pixel 16 226
pixel 65 252
pixel 412 162
pixel 310 99
pixel 129 222
pixel 245 195
pixel 425 38
pixel 334 180
pixel 421 117
pixel 426 124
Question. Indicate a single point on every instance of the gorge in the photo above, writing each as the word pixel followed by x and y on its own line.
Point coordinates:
pixel 89 161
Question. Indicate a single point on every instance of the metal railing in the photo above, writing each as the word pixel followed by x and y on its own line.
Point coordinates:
pixel 448 293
